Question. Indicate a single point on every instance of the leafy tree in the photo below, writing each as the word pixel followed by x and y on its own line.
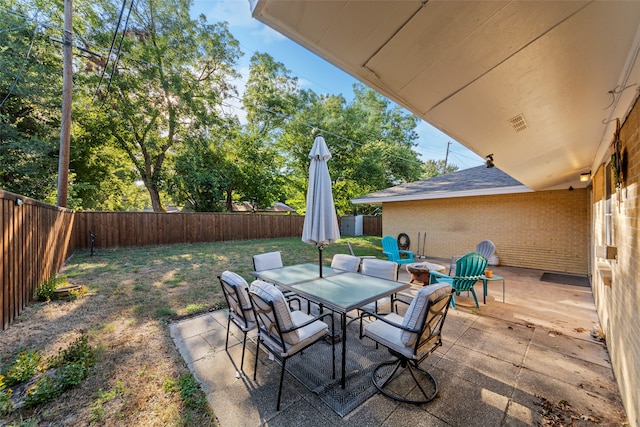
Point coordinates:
pixel 103 177
pixel 227 166
pixel 30 86
pixel 437 167
pixel 236 162
pixel 202 171
pixel 164 84
pixel 371 142
pixel 271 94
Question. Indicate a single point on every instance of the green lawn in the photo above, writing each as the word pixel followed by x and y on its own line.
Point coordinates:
pixel 139 378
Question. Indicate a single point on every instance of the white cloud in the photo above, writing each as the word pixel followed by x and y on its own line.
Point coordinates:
pixel 235 12
pixel 267 34
pixel 304 83
pixel 238 14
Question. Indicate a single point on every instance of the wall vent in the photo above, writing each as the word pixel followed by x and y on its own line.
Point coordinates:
pixel 518 123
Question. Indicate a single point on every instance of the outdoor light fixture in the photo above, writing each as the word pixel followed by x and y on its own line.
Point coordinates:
pixel 490 161
pixel 19 201
pixel 584 177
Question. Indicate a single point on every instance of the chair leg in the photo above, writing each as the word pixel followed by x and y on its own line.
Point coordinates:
pixel 244 345
pixel 453 301
pixel 226 343
pixel 415 373
pixel 473 292
pixel 255 365
pixel 333 350
pixel 284 362
pixel 381 387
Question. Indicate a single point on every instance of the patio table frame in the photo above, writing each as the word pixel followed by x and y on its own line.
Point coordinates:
pixel 339 291
pixel 493 278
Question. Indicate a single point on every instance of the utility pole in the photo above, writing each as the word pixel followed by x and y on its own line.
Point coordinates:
pixel 65 130
pixel 446 158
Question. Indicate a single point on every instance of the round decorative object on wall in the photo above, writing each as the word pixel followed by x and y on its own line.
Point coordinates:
pixel 403 241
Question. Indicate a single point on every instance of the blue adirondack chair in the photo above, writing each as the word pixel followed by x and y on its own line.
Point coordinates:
pixel 469 269
pixel 391 250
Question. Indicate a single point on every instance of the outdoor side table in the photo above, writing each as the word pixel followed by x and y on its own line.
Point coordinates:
pixel 420 271
pixel 486 279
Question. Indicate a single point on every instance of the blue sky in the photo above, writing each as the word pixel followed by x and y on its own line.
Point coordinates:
pixel 314 72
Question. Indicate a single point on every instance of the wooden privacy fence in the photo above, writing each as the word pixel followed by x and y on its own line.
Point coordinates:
pixel 372 225
pixel 122 229
pixel 37 238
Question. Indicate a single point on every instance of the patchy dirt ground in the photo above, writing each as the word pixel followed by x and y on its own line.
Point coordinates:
pixel 133 294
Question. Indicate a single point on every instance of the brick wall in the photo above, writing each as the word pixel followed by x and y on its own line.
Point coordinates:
pixel 546 230
pixel 616 283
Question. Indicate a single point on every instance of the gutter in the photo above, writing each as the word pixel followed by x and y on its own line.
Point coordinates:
pixel 441 195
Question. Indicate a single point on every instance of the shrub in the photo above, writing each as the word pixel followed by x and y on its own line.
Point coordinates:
pixel 46 290
pixel 25 366
pixel 61 372
pixel 5 396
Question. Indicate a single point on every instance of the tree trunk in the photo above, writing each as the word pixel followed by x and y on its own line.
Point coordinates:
pixel 229 200
pixel 156 204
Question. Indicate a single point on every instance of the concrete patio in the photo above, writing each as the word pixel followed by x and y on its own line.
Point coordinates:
pixel 528 361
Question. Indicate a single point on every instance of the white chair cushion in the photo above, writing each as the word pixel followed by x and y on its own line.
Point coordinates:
pixel 389 335
pixel 417 308
pixel 345 262
pixel 237 281
pixel 267 261
pixel 308 334
pixel 270 293
pixel 383 304
pixel 380 268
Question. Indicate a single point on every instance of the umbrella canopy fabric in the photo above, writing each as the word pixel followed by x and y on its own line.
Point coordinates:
pixel 320 222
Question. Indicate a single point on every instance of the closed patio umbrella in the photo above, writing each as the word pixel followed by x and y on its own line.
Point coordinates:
pixel 320 222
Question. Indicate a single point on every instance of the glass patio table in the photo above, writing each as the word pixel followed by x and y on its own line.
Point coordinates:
pixel 337 290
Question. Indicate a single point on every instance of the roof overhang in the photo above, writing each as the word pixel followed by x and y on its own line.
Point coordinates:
pixel 366 200
pixel 538 84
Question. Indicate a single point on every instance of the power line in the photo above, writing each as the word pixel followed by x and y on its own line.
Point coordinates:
pixel 13 29
pixel 469 155
pixel 41 23
pixel 115 63
pixel 323 131
pixel 113 42
pixel 119 53
pixel 469 162
pixel 24 64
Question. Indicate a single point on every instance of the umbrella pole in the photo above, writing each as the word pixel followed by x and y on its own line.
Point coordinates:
pixel 320 259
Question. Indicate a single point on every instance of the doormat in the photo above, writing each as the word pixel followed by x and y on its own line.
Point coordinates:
pixel 313 369
pixel 566 279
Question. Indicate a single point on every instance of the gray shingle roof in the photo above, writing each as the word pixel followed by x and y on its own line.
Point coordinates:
pixel 478 181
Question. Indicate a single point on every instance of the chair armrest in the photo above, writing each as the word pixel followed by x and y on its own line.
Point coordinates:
pixel 398 298
pixel 308 322
pixel 389 322
pixel 290 298
pixel 437 274
pixel 401 300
